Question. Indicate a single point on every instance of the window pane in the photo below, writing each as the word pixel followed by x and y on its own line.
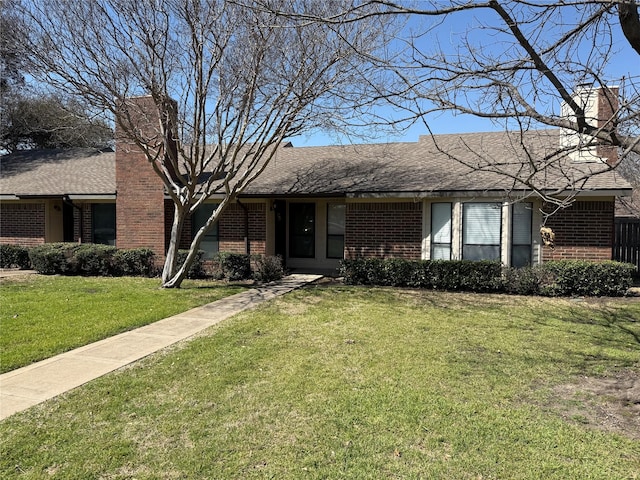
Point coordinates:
pixel 335 230
pixel 209 242
pixel 335 246
pixel 335 218
pixel 481 223
pixel 302 217
pixel 522 224
pixel 440 252
pixel 441 223
pixel 481 252
pixel 103 223
pixel 521 256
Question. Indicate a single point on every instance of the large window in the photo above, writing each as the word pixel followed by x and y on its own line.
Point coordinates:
pixel 335 230
pixel 302 230
pixel 440 231
pixel 210 241
pixel 103 223
pixel 521 234
pixel 481 227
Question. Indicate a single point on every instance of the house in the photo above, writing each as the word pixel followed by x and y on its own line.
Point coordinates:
pixel 430 199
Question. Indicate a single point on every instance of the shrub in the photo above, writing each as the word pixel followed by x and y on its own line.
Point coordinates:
pixel 197 267
pixel 482 276
pixel 235 266
pixel 134 262
pixel 581 278
pixel 268 268
pixel 92 259
pixel 52 258
pixel 14 256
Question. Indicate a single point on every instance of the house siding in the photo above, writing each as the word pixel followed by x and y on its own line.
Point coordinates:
pixel 23 223
pixel 383 230
pixel 583 231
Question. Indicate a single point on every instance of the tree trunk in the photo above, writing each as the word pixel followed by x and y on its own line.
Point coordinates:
pixel 171 278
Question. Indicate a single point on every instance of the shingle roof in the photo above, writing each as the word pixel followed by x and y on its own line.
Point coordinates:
pixel 423 167
pixel 77 171
pixel 410 168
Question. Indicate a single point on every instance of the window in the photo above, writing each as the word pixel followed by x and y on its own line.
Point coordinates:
pixel 440 231
pixel 210 241
pixel 335 230
pixel 521 216
pixel 302 231
pixel 481 226
pixel 103 223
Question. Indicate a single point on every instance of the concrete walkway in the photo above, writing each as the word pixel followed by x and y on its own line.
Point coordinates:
pixel 35 383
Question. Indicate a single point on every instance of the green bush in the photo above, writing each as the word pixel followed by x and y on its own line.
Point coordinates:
pixel 197 267
pixel 481 276
pixel 92 260
pixel 560 278
pixel 134 262
pixel 268 268
pixel 235 266
pixel 14 256
pixel 52 258
pixel 581 278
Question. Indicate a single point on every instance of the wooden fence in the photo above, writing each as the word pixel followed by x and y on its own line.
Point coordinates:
pixel 626 246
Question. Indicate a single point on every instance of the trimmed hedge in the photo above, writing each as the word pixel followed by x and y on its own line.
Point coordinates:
pixel 483 276
pixel 14 256
pixel 91 259
pixel 558 278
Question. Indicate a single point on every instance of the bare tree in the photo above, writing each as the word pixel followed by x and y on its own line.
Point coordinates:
pixel 525 65
pixel 229 83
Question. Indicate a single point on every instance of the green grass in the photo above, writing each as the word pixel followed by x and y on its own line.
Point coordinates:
pixel 43 316
pixel 348 383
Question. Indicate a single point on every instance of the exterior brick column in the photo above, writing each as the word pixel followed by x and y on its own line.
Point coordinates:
pixel 140 220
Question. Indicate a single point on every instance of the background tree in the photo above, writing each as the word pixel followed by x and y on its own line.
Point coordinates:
pixel 230 84
pixel 50 122
pixel 30 118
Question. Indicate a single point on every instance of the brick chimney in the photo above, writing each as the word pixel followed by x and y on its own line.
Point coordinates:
pixel 140 211
pixel 600 105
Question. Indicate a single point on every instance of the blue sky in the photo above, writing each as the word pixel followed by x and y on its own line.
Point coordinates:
pixel 624 64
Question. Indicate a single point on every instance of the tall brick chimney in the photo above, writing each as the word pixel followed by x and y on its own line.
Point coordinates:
pixel 600 105
pixel 140 211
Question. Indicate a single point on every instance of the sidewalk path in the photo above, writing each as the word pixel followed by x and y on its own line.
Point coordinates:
pixel 35 383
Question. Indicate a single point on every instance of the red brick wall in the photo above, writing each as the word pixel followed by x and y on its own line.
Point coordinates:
pixel 583 231
pixel 231 228
pixel 140 215
pixel 22 224
pixel 607 108
pixel 383 230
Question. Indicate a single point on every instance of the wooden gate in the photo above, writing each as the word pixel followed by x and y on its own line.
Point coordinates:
pixel 626 246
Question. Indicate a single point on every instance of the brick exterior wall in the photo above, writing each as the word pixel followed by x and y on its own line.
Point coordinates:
pixel 140 211
pixel 231 228
pixel 383 230
pixel 607 108
pixel 583 231
pixel 22 224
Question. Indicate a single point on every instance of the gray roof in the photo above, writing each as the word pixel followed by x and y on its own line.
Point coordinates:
pixel 76 171
pixel 454 164
pixel 446 164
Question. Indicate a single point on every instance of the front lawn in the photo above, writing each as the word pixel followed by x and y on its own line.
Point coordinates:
pixel 42 316
pixel 345 382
